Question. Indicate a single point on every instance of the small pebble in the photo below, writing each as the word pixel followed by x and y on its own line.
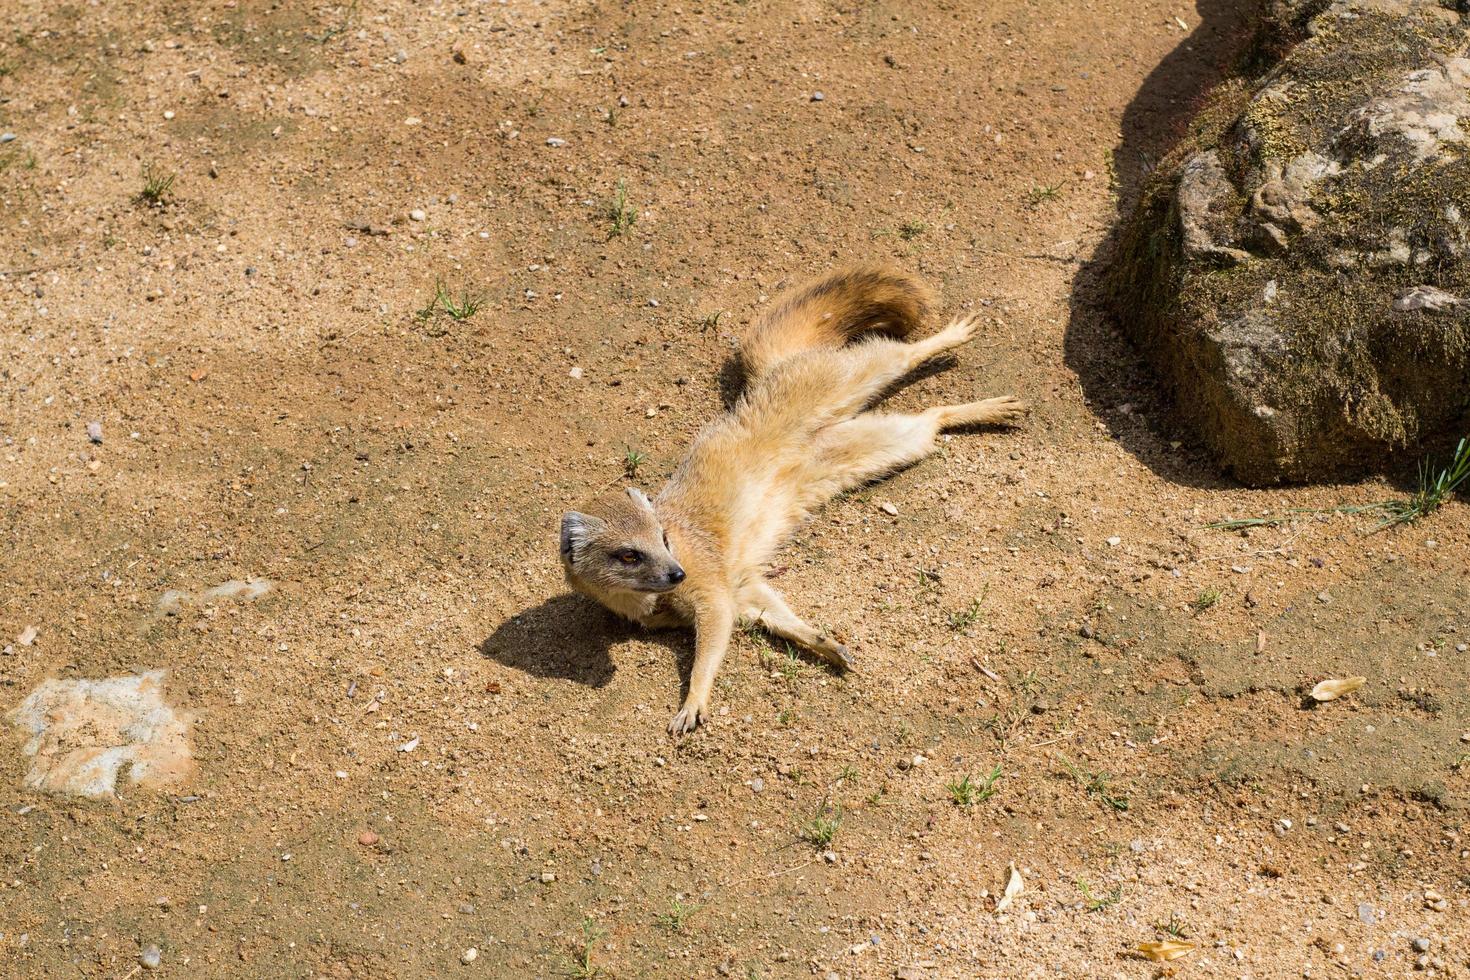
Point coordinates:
pixel 818 97
pixel 168 114
pixel 829 856
pixel 757 784
pixel 555 141
pixel 1114 541
pixel 575 372
pixel 7 137
pixel 469 956
pixel 888 509
pixel 151 957
pixel 367 838
pixel 1421 945
pixel 547 877
pixel 417 214
pixel 94 432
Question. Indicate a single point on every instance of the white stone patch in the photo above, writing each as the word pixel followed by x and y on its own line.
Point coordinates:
pixel 1430 298
pixel 1425 111
pixel 84 732
pixel 172 602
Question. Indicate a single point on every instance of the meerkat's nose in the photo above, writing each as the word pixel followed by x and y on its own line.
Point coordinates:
pixel 676 575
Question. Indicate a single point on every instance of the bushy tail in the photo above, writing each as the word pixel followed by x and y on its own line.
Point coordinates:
pixel 827 312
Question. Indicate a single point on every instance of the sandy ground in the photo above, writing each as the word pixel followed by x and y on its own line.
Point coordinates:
pixel 416 744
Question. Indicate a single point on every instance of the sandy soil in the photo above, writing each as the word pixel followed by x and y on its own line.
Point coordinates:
pixel 274 407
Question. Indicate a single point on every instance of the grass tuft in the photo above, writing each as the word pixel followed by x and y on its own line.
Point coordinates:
pixel 910 230
pixel 632 459
pixel 1097 784
pixel 1435 488
pixel 157 186
pixel 466 305
pixel 1096 903
pixel 677 917
pixel 961 621
pixel 820 830
pixel 1042 193
pixel 582 968
pixel 966 792
pixel 621 215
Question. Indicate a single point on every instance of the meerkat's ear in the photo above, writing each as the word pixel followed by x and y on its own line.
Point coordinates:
pixel 575 530
pixel 640 498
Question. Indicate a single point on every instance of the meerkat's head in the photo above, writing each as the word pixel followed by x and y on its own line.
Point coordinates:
pixel 618 545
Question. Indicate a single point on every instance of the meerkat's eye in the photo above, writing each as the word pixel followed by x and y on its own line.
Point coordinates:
pixel 628 556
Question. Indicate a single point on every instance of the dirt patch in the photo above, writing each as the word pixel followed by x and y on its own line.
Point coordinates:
pixel 276 405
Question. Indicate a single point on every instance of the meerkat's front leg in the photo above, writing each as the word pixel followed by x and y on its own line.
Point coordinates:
pixel 766 606
pixel 714 618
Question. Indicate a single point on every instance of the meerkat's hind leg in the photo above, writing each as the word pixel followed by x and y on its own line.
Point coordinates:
pixel 765 606
pixel 991 411
pixel 863 371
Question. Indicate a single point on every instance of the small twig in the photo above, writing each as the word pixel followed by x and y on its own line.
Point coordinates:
pixel 773 874
pixel 34 268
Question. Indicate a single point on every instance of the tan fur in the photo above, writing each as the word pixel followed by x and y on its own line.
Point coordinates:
pixel 799 435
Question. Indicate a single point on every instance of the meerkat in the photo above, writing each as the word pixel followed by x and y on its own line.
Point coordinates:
pixel 800 434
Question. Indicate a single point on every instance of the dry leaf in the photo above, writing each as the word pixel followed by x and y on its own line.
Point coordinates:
pixel 27 636
pixel 1014 887
pixel 1165 950
pixel 1331 690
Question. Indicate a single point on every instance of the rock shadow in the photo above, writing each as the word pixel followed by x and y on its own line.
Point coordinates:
pixel 1119 387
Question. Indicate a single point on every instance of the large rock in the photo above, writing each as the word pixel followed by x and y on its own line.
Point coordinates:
pixel 1298 268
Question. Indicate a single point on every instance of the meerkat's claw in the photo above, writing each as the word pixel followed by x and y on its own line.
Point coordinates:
pixel 689 718
pixel 842 657
pixel 834 653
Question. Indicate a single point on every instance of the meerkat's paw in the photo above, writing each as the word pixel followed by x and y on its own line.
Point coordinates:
pixel 835 653
pixel 959 331
pixel 1006 408
pixel 690 717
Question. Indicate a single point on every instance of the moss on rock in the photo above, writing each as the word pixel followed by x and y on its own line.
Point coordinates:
pixel 1260 268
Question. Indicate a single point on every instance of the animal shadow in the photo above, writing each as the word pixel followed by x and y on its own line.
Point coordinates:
pixel 569 637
